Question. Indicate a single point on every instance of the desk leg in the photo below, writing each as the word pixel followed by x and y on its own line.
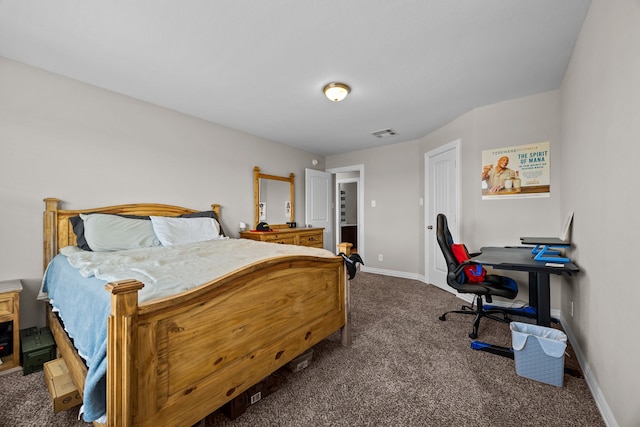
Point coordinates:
pixel 544 300
pixel 533 290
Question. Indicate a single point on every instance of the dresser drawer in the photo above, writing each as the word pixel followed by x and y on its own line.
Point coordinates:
pixel 280 238
pixel 314 240
pixel 283 240
pixel 6 305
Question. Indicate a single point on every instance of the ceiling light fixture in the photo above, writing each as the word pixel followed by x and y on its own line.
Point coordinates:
pixel 336 92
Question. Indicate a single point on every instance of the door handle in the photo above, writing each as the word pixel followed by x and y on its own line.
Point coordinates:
pixel 430 227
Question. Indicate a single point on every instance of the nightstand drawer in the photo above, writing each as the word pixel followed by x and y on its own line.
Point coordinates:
pixel 6 306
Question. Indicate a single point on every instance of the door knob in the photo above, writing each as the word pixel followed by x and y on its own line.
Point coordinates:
pixel 430 227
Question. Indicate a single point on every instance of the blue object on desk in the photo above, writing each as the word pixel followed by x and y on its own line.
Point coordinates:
pixel 546 248
pixel 541 254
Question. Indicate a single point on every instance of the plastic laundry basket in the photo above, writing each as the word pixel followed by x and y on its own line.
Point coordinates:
pixel 538 352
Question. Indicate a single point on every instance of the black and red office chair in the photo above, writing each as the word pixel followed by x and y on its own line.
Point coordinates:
pixel 491 285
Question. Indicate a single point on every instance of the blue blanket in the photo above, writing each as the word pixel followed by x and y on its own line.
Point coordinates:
pixel 83 305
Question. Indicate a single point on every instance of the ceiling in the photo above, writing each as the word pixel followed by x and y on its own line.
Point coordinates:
pixel 260 66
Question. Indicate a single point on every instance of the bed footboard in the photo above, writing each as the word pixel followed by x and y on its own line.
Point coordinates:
pixel 174 361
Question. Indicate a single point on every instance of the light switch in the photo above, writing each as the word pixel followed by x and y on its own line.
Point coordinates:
pixel 373 203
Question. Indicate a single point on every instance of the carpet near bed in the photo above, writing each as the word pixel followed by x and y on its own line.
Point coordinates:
pixel 405 368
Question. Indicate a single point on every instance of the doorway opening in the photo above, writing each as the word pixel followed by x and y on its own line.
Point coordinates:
pixel 347 230
pixel 349 203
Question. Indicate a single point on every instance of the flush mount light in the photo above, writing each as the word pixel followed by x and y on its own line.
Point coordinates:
pixel 336 91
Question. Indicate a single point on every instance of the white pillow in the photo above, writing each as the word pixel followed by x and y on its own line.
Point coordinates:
pixel 178 231
pixel 105 232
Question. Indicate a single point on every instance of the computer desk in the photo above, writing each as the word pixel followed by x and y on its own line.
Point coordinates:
pixel 521 259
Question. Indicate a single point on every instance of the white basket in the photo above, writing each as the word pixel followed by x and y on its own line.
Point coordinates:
pixel 538 352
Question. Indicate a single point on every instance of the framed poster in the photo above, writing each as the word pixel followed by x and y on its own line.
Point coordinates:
pixel 516 172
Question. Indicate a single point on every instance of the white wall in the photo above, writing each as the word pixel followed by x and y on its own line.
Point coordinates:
pixel 391 179
pixel 600 112
pixel 90 147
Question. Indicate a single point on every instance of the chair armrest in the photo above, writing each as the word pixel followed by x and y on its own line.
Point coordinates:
pixel 458 270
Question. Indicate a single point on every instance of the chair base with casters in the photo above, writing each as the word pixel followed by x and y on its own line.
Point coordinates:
pixel 479 312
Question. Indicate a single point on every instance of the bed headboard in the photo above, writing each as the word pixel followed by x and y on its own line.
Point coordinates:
pixel 58 232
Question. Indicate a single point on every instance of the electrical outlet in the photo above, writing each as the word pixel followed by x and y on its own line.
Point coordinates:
pixel 379 257
pixel 571 308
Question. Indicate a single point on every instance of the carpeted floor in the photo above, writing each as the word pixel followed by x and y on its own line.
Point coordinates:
pixel 404 368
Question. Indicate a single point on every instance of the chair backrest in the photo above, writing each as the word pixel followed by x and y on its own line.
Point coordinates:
pixel 445 240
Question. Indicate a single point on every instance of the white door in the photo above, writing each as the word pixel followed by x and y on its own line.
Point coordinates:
pixel 317 208
pixel 442 195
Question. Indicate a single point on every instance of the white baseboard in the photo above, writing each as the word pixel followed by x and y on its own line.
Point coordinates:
pixel 392 273
pixel 11 370
pixel 596 392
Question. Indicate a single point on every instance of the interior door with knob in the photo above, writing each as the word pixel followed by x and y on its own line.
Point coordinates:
pixel 442 195
pixel 318 207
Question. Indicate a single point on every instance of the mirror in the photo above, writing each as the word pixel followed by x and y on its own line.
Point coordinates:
pixel 273 197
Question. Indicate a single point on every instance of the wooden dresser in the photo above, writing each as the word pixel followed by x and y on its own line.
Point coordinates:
pixel 292 236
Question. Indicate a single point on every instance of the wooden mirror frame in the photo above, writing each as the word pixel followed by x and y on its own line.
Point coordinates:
pixel 256 196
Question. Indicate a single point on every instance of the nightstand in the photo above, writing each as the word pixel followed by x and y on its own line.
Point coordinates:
pixel 10 318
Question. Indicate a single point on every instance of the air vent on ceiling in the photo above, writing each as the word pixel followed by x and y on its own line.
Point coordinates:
pixel 383 133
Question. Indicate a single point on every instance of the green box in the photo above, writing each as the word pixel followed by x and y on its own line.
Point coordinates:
pixel 36 348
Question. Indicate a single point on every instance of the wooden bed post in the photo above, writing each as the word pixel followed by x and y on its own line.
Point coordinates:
pixel 122 331
pixel 345 248
pixel 50 224
pixel 256 197
pixel 345 332
pixel 216 208
pixel 292 197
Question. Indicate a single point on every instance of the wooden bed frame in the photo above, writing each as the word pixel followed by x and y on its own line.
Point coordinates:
pixel 175 360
